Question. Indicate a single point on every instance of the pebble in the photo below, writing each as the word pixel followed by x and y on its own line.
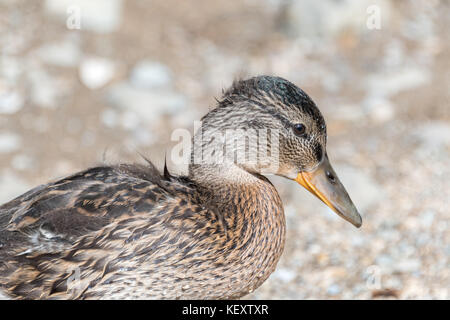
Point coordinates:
pixel 407 265
pixel 147 105
pixel 150 75
pixel 334 289
pixel 64 53
pixel 385 261
pixel 379 109
pixel 142 136
pixel 109 118
pixel 389 83
pixel 96 72
pixel 364 190
pixel 9 142
pixel 129 120
pixel 10 101
pixel 348 112
pixel 11 186
pixel 10 69
pixel 427 218
pixel 22 162
pixel 45 89
pixel 434 134
pixel 285 275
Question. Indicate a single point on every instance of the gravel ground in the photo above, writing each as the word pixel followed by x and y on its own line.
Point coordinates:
pixel 118 80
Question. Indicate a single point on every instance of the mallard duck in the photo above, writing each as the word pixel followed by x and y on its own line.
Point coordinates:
pixel 129 231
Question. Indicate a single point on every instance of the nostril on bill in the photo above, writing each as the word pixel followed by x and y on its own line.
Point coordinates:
pixel 331 177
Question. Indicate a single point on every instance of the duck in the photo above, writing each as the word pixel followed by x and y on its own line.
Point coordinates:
pixel 130 231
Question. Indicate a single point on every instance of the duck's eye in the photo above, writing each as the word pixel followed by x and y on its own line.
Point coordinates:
pixel 299 129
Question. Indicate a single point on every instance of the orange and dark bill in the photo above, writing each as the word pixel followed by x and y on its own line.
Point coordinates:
pixel 325 185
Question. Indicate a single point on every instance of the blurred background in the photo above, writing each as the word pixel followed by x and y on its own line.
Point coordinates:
pixel 83 82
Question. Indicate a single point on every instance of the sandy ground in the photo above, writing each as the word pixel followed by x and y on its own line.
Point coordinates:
pixel 137 70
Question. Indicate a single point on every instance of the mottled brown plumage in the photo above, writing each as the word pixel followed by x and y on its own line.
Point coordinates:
pixel 127 231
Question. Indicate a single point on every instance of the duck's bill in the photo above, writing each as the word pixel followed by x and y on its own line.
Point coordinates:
pixel 324 184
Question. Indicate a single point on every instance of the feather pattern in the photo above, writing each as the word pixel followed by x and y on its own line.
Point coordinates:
pixel 129 224
pixel 128 231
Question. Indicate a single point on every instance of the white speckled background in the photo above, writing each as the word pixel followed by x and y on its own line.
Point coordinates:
pixel 137 70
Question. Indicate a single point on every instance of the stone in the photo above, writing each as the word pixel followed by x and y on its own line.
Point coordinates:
pixel 148 105
pixel 379 109
pixel 363 189
pixel 385 261
pixel 9 142
pixel 334 289
pixel 427 218
pixel 11 69
pixel 45 89
pixel 407 265
pixel 389 83
pixel 434 134
pixel 144 137
pixel 22 162
pixel 150 75
pixel 130 120
pixel 10 101
pixel 64 53
pixel 11 186
pixel 284 275
pixel 109 118
pixel 348 112
pixel 96 72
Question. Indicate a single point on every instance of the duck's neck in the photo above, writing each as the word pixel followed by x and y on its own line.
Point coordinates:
pixel 253 215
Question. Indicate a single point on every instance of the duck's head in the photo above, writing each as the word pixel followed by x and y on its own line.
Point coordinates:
pixel 267 125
